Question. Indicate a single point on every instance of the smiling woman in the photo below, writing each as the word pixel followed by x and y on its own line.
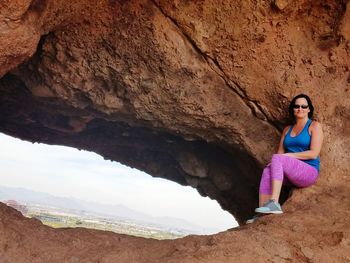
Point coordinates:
pixel 297 160
pixel 67 172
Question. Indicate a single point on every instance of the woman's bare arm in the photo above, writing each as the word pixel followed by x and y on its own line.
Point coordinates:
pixel 280 146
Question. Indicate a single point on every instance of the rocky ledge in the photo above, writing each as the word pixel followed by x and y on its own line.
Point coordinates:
pixel 195 92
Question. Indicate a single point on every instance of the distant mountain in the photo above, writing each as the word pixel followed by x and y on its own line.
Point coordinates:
pixel 26 196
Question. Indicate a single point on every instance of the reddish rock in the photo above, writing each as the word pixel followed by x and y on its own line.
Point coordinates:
pixel 195 92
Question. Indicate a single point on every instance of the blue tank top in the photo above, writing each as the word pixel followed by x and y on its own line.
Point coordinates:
pixel 301 143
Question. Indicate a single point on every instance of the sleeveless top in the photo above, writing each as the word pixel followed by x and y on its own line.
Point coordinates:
pixel 301 143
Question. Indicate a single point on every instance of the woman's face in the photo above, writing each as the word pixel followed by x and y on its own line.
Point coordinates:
pixel 301 108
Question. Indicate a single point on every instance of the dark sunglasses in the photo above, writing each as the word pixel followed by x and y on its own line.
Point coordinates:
pixel 296 106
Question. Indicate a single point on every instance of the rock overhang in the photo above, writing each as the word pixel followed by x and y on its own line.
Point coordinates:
pixel 178 82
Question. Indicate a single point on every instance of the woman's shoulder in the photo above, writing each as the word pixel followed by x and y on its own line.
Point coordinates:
pixel 316 125
pixel 286 129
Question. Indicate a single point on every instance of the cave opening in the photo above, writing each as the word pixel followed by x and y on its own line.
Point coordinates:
pixel 64 187
pixel 223 172
pixel 63 96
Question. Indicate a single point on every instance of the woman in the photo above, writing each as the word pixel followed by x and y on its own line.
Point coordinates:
pixel 297 160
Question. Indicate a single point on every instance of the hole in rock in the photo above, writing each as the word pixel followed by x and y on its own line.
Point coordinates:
pixel 225 172
pixel 65 187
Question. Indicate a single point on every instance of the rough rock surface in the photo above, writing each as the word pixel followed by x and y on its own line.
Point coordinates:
pixel 302 234
pixel 195 92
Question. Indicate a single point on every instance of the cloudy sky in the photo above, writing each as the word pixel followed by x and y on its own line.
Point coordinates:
pixel 68 172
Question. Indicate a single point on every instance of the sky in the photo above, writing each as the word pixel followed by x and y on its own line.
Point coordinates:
pixel 67 172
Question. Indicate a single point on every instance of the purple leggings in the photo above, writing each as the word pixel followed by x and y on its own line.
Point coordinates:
pixel 289 170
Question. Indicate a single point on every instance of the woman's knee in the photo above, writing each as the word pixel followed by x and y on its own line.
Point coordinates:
pixel 277 157
pixel 266 169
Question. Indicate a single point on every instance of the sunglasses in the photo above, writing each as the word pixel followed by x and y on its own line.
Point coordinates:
pixel 296 106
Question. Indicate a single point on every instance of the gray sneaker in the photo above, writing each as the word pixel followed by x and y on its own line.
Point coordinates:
pixel 270 207
pixel 252 220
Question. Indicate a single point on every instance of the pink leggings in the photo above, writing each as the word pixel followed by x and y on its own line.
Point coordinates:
pixel 289 170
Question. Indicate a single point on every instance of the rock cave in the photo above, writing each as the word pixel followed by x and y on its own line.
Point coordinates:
pixel 194 92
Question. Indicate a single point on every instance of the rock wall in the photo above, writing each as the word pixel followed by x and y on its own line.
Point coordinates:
pixel 195 92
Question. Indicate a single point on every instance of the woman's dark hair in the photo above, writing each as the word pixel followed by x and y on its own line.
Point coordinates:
pixel 309 103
